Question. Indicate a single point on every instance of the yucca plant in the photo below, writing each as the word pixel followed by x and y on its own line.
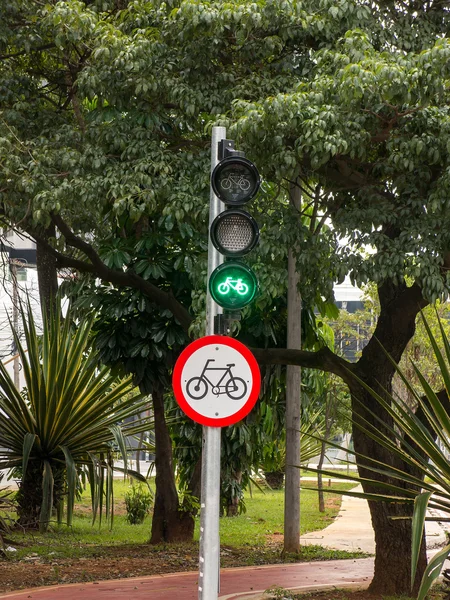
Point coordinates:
pixel 274 455
pixel 421 442
pixel 6 504
pixel 68 420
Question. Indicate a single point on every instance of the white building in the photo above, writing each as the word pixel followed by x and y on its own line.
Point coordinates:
pixel 18 283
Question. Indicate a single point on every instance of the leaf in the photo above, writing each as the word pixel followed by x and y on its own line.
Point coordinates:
pixel 418 522
pixel 28 443
pixel 47 497
pixel 432 571
pixel 71 482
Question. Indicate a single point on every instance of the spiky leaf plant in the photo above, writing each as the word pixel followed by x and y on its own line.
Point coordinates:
pixel 6 504
pixel 312 427
pixel 67 421
pixel 423 443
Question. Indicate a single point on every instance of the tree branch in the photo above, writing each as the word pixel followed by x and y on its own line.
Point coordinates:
pixel 324 360
pixel 122 278
pixel 22 52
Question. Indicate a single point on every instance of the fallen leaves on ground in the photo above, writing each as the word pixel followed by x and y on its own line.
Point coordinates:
pixel 115 562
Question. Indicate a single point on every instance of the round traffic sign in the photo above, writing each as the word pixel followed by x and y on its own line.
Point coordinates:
pixel 216 381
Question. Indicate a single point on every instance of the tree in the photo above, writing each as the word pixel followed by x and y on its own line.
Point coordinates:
pixel 371 128
pixel 420 436
pixel 135 339
pixel 350 96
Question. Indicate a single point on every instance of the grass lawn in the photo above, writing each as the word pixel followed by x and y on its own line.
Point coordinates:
pixel 261 525
pixel 263 519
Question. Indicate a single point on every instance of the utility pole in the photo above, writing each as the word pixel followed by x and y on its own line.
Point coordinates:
pixel 232 285
pixel 293 400
pixel 208 585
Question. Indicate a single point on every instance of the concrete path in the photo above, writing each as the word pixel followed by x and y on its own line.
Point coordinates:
pixel 352 529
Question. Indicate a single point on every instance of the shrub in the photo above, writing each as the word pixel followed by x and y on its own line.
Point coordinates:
pixel 138 502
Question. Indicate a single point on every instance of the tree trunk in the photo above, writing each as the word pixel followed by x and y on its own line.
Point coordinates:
pixel 395 327
pixel 47 272
pixel 393 537
pixel 293 402
pixel 29 494
pixel 320 479
pixel 233 499
pixel 169 523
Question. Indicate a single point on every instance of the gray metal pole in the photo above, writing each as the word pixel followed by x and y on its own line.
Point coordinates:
pixel 15 321
pixel 208 583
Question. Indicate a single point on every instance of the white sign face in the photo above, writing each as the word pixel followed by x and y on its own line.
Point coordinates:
pixel 216 381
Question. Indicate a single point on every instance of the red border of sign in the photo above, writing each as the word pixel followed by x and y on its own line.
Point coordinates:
pixel 176 381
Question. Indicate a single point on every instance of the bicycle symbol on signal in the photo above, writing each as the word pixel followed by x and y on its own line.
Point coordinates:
pixel 234 387
pixel 233 284
pixel 235 181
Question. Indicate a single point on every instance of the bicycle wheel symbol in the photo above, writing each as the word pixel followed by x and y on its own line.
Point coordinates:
pixel 236 388
pixel 196 388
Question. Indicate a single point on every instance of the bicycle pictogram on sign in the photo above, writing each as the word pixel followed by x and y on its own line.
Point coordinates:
pixel 234 387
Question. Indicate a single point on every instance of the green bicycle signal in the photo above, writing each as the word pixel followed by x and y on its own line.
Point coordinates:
pixel 233 285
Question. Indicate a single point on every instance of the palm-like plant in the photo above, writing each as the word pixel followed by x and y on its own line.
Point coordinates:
pixel 420 438
pixel 66 421
pixel 6 504
pixel 274 454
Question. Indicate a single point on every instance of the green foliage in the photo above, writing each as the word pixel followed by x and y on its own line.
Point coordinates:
pixel 66 423
pixel 312 427
pixel 349 101
pixel 138 502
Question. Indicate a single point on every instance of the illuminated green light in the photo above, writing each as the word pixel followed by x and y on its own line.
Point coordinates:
pixel 233 285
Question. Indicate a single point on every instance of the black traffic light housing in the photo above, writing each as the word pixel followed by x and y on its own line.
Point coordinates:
pixel 234 232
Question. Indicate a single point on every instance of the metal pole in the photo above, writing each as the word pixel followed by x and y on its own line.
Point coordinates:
pixel 208 583
pixel 15 321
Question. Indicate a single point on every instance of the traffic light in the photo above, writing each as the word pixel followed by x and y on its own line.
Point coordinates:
pixel 234 232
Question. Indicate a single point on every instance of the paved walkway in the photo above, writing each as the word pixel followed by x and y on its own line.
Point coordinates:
pixel 351 530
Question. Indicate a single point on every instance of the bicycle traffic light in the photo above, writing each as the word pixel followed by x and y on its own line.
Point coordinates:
pixel 234 232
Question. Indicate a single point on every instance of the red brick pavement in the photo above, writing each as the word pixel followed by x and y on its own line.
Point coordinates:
pixel 235 583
